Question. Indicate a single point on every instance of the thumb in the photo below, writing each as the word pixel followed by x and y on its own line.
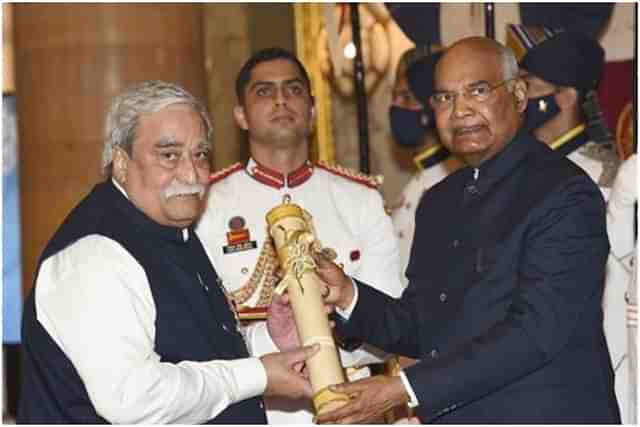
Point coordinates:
pixel 302 384
pixel 304 353
pixel 320 259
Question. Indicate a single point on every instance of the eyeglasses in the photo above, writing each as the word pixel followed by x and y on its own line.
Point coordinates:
pixel 478 92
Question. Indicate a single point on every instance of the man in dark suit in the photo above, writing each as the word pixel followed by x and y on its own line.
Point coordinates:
pixel 505 277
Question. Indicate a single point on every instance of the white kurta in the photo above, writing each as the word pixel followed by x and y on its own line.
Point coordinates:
pixel 93 298
pixel 348 217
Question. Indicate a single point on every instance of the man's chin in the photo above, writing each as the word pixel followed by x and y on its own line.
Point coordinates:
pixel 184 211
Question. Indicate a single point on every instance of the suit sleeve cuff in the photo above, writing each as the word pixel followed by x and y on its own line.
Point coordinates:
pixel 413 399
pixel 346 313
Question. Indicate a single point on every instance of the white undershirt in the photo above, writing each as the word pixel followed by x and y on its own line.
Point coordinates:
pixel 94 300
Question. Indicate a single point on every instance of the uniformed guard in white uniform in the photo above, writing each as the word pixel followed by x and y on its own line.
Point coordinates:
pixel 276 109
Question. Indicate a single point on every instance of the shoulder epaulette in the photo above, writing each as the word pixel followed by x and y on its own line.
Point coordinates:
pixel 223 173
pixel 431 156
pixel 373 181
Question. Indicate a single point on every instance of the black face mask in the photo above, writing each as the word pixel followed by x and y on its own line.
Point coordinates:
pixel 408 127
pixel 540 110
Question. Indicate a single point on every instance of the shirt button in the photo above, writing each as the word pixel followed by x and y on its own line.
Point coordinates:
pixel 434 354
pixel 443 297
pixel 455 243
pixel 472 189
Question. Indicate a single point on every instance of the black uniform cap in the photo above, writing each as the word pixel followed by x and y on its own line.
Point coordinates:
pixel 566 59
pixel 420 76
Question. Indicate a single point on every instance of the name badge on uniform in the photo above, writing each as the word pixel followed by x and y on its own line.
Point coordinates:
pixel 238 237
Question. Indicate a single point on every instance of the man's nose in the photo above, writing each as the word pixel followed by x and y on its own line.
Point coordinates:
pixel 461 105
pixel 187 171
pixel 281 96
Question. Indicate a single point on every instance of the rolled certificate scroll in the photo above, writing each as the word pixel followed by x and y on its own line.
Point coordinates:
pixel 293 238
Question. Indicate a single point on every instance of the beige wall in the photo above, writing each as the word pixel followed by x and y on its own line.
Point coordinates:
pixel 234 31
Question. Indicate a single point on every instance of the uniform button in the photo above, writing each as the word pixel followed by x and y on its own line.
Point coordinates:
pixel 434 354
pixel 244 270
pixel 455 243
pixel 443 297
pixel 472 189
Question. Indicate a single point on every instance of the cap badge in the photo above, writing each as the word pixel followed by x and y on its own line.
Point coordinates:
pixel 542 105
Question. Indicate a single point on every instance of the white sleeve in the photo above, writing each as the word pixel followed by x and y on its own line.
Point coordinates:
pixel 620 210
pixel 380 266
pixel 94 300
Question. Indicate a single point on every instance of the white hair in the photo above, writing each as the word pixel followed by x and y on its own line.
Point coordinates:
pixel 146 97
pixel 509 63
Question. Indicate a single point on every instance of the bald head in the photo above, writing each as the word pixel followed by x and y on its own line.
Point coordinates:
pixel 480 100
pixel 487 49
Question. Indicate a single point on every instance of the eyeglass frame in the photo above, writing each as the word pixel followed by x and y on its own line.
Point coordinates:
pixel 466 93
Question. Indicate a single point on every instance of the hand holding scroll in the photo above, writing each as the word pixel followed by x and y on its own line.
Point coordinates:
pixel 370 398
pixel 339 290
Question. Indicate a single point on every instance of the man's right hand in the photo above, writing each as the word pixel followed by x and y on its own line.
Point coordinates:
pixel 285 374
pixel 339 289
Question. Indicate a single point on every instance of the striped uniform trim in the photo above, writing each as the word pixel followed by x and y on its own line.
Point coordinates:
pixel 520 38
pixel 361 178
pixel 223 173
pixel 431 156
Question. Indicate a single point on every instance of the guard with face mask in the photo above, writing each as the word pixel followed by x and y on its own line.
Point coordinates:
pixel 413 127
pixel 563 70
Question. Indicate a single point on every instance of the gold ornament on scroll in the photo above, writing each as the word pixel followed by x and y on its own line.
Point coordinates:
pixel 294 239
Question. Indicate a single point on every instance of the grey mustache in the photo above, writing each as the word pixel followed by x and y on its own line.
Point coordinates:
pixel 180 189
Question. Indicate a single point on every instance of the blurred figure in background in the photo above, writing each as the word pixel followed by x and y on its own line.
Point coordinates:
pixel 562 70
pixel 413 127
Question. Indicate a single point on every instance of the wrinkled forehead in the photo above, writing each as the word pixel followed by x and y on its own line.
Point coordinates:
pixel 465 65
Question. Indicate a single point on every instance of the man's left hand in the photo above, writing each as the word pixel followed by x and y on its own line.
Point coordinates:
pixel 281 325
pixel 370 398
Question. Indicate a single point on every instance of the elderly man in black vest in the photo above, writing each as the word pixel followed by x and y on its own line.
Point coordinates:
pixel 506 273
pixel 128 322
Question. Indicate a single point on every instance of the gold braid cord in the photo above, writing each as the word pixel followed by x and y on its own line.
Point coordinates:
pixel 264 273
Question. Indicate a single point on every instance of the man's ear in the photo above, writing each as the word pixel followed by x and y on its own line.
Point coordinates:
pixel 520 92
pixel 241 119
pixel 120 165
pixel 567 98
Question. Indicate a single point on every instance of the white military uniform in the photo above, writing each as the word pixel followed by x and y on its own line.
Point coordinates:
pixel 404 215
pixel 348 216
pixel 620 299
pixel 619 315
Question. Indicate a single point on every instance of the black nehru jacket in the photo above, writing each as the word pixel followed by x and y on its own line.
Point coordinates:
pixel 206 330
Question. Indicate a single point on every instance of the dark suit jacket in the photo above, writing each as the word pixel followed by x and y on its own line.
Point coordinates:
pixel 504 300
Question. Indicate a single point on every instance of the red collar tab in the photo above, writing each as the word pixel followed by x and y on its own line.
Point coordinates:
pixel 221 174
pixel 275 179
